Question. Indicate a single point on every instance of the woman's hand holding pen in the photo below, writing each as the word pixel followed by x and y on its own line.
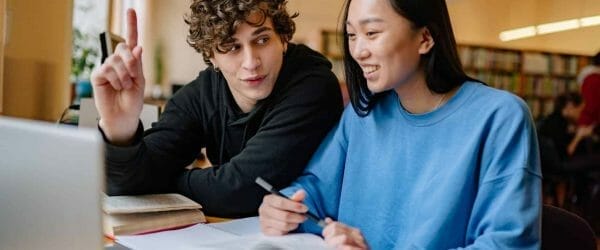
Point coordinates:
pixel 341 236
pixel 278 215
pixel 119 87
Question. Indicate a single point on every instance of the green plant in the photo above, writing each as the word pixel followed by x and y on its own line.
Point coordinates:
pixel 84 55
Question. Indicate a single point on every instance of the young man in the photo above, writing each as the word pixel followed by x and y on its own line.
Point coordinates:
pixel 261 108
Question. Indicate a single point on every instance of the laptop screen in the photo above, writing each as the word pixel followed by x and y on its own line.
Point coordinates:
pixel 50 186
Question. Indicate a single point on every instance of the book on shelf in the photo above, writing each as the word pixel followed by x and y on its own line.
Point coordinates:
pixel 127 215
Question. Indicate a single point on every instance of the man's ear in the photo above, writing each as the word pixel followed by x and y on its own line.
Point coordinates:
pixel 427 41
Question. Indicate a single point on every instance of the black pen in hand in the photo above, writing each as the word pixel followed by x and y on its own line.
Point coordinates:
pixel 274 191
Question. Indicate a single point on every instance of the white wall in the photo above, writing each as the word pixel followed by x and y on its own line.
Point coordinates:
pixel 314 17
pixel 181 62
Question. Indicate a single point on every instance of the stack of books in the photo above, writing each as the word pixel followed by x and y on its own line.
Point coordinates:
pixel 127 215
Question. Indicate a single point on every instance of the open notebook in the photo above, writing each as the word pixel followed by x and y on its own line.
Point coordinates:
pixel 236 234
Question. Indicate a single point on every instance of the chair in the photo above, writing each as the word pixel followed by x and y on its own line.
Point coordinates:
pixel 564 230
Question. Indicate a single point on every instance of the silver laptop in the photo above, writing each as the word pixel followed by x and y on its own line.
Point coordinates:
pixel 51 180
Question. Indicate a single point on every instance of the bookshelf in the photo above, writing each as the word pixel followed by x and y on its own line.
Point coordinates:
pixel 331 47
pixel 536 76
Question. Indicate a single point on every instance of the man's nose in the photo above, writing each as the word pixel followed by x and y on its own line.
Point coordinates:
pixel 251 59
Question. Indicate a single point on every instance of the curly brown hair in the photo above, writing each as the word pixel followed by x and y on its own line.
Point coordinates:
pixel 213 22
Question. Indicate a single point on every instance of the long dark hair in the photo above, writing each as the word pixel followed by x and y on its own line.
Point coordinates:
pixel 443 70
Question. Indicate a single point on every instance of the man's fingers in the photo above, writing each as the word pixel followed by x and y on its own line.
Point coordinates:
pixel 98 77
pixel 111 76
pixel 128 59
pixel 122 71
pixel 137 54
pixel 132 32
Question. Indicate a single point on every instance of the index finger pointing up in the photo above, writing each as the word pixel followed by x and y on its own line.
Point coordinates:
pixel 132 32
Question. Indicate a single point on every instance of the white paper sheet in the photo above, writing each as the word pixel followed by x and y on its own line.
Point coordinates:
pixel 185 238
pixel 235 234
pixel 241 227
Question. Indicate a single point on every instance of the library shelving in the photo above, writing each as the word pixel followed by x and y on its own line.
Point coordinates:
pixel 536 76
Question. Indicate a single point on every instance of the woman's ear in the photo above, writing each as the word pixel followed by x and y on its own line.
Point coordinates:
pixel 427 41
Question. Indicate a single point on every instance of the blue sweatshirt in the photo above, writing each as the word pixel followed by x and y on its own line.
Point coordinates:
pixel 466 175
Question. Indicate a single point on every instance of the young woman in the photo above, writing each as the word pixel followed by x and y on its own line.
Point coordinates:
pixel 427 158
pixel 261 108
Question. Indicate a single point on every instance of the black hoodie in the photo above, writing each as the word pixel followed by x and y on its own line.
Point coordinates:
pixel 275 140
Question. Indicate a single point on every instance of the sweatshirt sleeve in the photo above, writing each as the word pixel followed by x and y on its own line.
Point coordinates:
pixel 158 155
pixel 506 213
pixel 322 178
pixel 278 152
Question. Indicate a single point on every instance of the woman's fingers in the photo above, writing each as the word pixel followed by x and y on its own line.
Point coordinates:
pixel 285 204
pixel 342 236
pixel 282 215
pixel 279 215
pixel 277 224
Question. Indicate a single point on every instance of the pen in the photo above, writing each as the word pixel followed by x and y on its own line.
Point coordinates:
pixel 264 184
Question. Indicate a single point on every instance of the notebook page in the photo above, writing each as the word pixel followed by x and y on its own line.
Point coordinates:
pixel 186 238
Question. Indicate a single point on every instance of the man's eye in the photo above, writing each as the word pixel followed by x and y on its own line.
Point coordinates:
pixel 228 47
pixel 233 48
pixel 262 40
